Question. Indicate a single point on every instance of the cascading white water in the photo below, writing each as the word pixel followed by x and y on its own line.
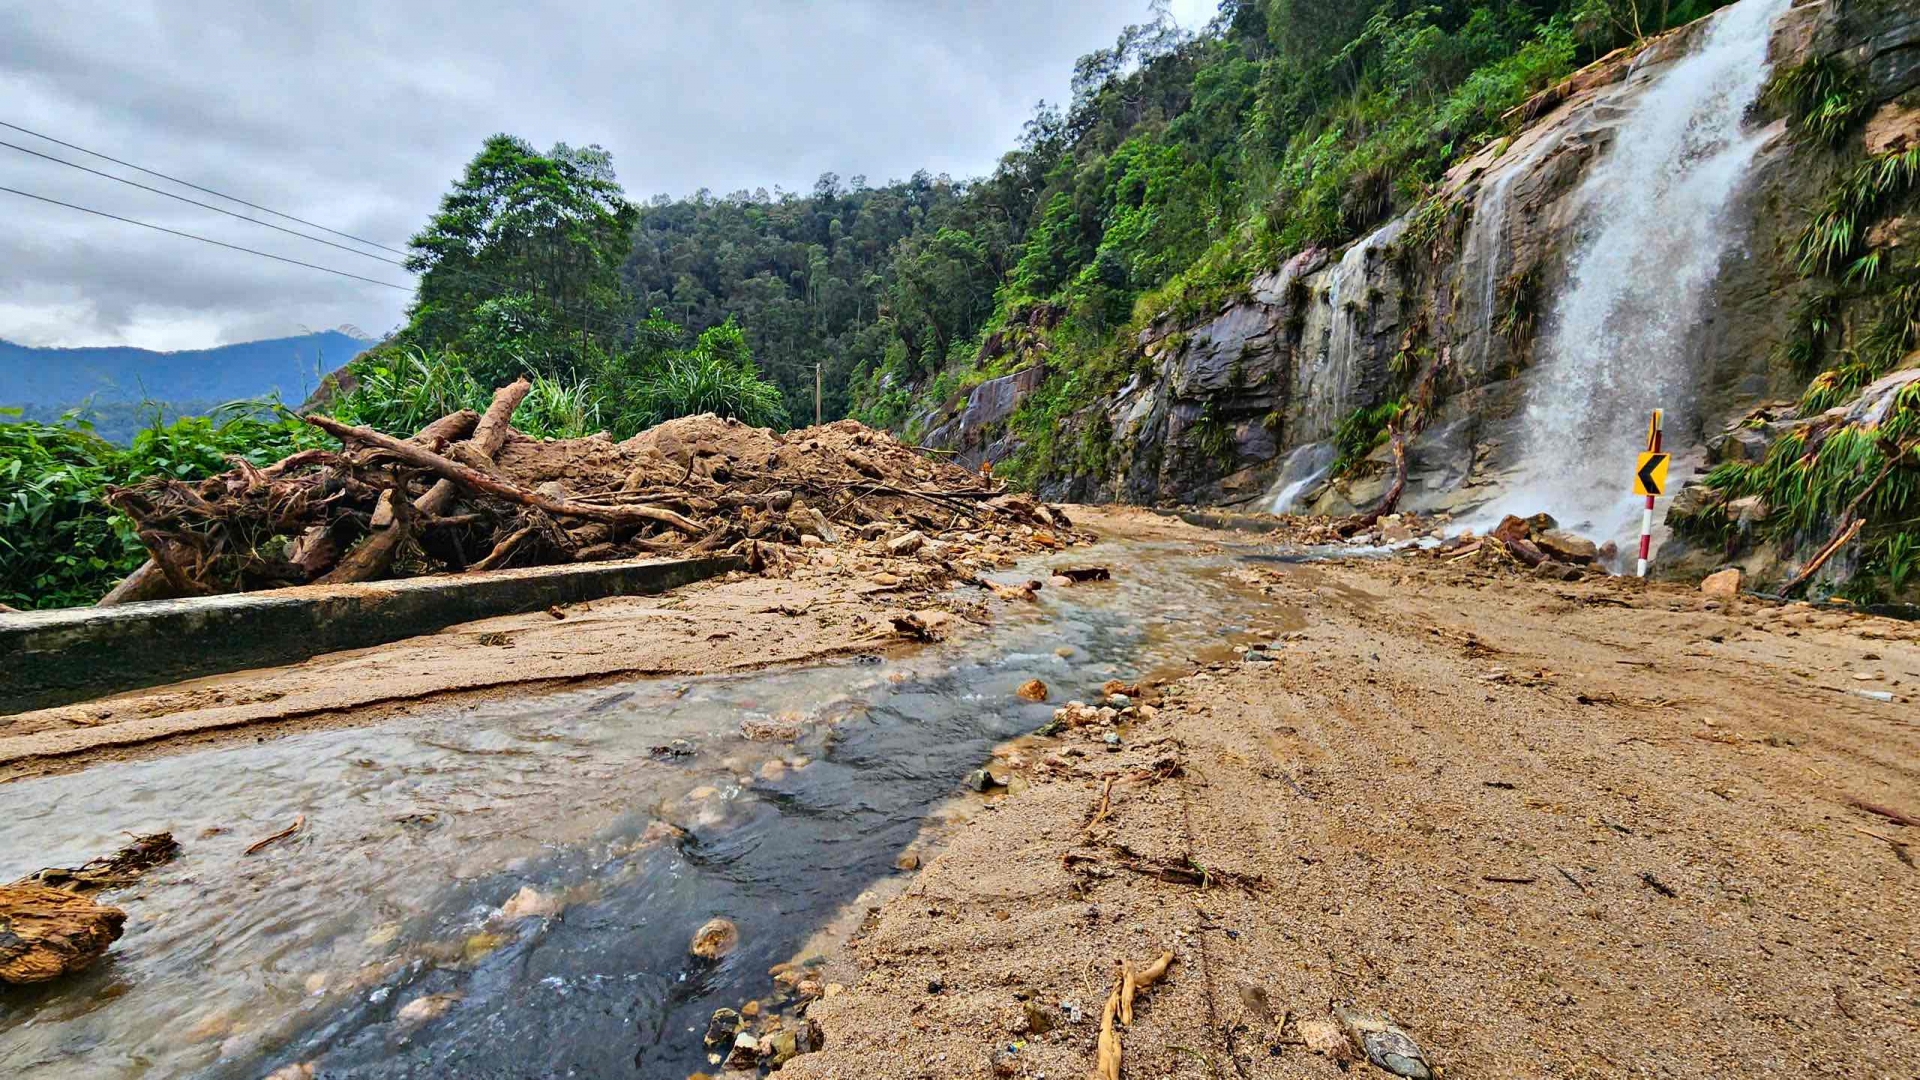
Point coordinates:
pixel 1656 217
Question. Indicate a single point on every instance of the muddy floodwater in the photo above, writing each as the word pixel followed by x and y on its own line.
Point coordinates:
pixel 373 941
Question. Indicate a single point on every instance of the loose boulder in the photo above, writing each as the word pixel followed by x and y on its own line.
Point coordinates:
pixel 1724 585
pixel 1567 547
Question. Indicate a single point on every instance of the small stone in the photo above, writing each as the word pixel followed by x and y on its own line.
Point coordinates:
pixel 429 1007
pixel 750 1010
pixel 1039 1019
pixel 745 1053
pixel 1385 1044
pixel 715 939
pixel 934 986
pixel 1113 740
pixel 1064 652
pixel 908 860
pixel 1119 701
pixel 1032 690
pixel 908 544
pixel 721 1029
pixel 1006 1063
pixel 779 1048
pixel 529 903
pixel 888 580
pixel 1724 585
pixel 1327 1038
pixel 808 540
pixel 982 780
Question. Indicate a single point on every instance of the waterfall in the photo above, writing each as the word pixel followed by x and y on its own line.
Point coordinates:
pixel 1656 222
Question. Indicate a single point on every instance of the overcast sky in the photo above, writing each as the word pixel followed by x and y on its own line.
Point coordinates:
pixel 357 114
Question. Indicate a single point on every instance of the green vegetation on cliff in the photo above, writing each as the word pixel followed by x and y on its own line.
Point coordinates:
pixel 1185 164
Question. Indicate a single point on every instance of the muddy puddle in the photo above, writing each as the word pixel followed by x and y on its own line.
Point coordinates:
pixel 374 941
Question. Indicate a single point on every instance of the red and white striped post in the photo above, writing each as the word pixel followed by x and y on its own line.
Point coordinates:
pixel 1646 519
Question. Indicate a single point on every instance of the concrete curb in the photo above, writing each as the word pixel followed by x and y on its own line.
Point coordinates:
pixel 50 658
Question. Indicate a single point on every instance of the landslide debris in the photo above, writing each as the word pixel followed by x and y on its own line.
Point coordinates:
pixel 50 926
pixel 468 493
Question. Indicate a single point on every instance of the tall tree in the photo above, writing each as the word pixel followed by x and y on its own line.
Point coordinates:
pixel 519 269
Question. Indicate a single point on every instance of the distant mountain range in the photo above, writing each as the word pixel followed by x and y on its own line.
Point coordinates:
pixel 114 381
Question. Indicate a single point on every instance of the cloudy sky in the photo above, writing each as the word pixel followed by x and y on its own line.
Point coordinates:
pixel 356 114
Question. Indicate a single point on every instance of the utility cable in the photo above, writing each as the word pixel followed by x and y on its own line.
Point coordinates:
pixel 203 239
pixel 205 206
pixel 197 187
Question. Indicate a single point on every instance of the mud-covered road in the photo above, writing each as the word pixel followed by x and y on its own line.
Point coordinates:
pixel 1594 828
pixel 1553 830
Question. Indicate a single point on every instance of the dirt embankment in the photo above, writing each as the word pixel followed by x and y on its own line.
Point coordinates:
pixel 1585 830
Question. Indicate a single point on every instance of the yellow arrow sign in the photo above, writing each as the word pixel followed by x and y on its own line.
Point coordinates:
pixel 1650 475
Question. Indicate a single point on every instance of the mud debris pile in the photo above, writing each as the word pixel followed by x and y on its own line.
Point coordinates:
pixel 468 493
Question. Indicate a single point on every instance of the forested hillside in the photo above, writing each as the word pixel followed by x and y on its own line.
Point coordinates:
pixel 1182 166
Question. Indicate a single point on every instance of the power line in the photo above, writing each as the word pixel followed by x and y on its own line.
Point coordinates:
pixel 206 206
pixel 204 240
pixel 610 328
pixel 197 187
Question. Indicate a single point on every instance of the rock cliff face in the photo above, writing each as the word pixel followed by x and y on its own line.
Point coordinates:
pixel 1447 304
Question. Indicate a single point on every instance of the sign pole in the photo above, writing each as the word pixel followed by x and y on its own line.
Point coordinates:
pixel 1646 519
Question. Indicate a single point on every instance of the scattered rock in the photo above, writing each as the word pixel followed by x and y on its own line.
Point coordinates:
pixel 907 544
pixel 908 860
pixel 779 1048
pixel 46 933
pixel 676 748
pixel 1385 1044
pixel 1724 585
pixel 1005 1062
pixel 750 1010
pixel 745 1053
pixel 982 780
pixel 1033 690
pixel 1566 547
pixel 778 729
pixel 715 939
pixel 529 903
pixel 1038 1019
pixel 299 1070
pixel 1511 528
pixel 1328 1039
pixel 721 1029
pixel 425 1008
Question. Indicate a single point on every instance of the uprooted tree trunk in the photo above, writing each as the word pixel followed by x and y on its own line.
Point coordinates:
pixel 373 559
pixel 455 474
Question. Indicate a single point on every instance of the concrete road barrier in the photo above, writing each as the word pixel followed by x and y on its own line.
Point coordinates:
pixel 50 658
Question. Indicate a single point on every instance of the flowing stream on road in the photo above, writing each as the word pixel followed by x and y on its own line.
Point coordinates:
pixel 419 829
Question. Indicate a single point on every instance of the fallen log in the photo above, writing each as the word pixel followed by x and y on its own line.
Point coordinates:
pixel 475 480
pixel 373 558
pixel 46 932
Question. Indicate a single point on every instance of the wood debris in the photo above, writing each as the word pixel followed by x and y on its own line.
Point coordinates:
pixel 469 493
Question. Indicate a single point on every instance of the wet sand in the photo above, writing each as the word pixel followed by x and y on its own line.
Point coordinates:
pixel 1592 829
